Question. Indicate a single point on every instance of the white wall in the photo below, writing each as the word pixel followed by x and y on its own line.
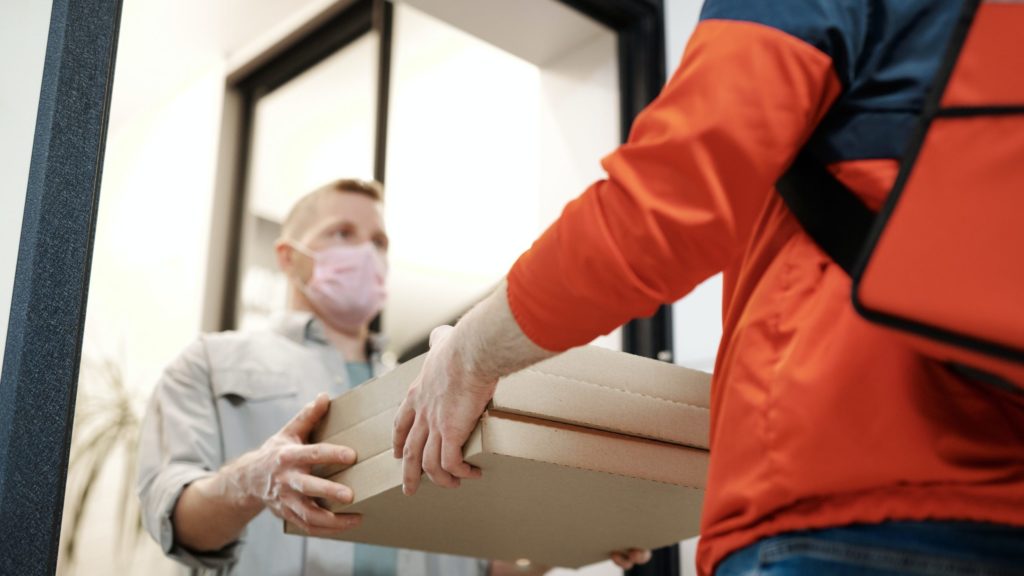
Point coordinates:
pixel 680 20
pixel 149 259
pixel 505 138
pixel 575 83
pixel 24 26
pixel 148 277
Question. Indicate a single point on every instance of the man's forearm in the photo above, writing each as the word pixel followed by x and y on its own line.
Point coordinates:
pixel 453 388
pixel 212 512
pixel 492 344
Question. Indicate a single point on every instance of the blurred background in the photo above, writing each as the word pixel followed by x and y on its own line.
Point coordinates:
pixel 481 117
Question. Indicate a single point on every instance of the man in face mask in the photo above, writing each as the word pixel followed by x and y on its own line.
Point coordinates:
pixel 333 248
pixel 223 452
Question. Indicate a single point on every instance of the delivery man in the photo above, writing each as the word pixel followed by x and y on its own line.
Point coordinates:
pixel 835 447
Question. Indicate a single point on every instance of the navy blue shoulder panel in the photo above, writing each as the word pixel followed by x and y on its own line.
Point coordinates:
pixel 836 27
pixel 885 53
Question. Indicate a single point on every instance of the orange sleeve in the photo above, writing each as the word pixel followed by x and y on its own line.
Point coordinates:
pixel 683 193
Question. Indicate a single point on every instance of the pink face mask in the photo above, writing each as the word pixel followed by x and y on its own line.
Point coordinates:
pixel 347 287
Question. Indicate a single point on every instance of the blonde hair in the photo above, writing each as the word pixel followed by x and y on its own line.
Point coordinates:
pixel 303 213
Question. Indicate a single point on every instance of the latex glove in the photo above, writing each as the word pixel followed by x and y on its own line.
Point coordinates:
pixel 440 411
pixel 278 475
pixel 631 557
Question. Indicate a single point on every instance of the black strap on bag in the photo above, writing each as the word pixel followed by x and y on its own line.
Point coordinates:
pixel 831 214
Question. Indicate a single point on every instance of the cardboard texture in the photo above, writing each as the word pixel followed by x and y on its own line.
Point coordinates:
pixel 584 454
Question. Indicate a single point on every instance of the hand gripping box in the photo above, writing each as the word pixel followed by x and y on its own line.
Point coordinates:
pixel 583 454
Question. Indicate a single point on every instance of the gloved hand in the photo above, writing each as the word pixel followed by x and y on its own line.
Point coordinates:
pixel 277 475
pixel 631 557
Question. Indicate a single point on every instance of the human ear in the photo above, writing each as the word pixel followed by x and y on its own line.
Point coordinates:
pixel 285 256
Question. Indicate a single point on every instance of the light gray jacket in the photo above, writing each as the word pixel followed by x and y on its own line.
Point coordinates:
pixel 224 396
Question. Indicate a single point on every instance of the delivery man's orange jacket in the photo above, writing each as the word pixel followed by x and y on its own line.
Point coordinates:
pixel 819 418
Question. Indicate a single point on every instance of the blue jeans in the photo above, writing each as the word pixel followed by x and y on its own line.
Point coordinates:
pixel 889 549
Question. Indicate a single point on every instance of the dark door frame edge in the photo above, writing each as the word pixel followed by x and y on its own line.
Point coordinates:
pixel 383 23
pixel 51 282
